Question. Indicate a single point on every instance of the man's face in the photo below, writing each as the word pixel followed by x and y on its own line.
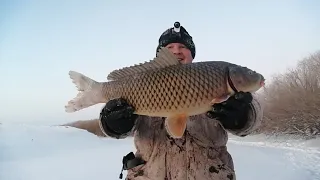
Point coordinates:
pixel 181 52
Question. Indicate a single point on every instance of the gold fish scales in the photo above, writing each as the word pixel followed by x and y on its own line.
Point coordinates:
pixel 163 87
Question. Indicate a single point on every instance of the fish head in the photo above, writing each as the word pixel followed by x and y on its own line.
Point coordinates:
pixel 244 79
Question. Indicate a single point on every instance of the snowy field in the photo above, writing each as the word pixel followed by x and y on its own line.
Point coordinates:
pixel 30 152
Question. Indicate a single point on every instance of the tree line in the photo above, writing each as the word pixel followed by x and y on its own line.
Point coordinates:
pixel 292 100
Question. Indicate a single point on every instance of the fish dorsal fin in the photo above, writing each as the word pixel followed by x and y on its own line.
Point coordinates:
pixel 164 58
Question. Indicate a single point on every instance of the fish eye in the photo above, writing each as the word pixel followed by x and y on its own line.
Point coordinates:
pixel 251 72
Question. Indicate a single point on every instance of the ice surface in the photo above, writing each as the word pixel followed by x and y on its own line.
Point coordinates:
pixel 31 152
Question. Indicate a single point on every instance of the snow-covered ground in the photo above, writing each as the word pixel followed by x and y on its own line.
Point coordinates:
pixel 30 152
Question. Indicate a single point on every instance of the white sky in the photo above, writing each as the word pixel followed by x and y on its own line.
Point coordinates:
pixel 40 41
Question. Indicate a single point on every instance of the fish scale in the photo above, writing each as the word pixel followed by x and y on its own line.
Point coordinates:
pixel 163 87
pixel 172 89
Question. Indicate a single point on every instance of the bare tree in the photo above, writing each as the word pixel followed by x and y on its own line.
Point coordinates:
pixel 292 100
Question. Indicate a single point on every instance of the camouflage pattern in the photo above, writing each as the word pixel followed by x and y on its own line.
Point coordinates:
pixel 200 154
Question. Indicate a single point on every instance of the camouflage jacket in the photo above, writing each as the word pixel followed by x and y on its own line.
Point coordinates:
pixel 200 154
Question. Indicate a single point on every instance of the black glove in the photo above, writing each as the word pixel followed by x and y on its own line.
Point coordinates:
pixel 233 113
pixel 117 117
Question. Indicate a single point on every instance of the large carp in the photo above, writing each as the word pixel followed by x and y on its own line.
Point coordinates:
pixel 165 88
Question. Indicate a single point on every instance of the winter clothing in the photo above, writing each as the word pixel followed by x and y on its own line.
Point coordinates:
pixel 117 117
pixel 232 113
pixel 177 34
pixel 200 154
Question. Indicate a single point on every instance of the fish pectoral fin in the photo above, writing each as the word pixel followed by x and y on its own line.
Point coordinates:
pixel 176 125
pixel 219 99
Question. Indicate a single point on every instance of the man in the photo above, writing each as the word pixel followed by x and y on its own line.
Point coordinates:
pixel 201 153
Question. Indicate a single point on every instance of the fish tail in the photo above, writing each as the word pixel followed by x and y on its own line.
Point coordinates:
pixel 90 92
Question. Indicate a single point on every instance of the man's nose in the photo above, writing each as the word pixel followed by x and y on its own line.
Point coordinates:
pixel 176 50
